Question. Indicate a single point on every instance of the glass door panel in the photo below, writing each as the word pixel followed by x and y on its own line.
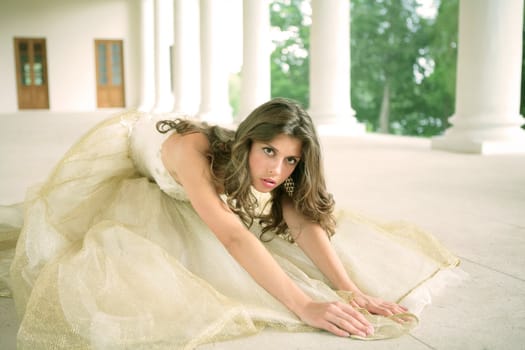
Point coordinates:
pixel 38 71
pixel 31 67
pixel 116 74
pixel 110 76
pixel 102 64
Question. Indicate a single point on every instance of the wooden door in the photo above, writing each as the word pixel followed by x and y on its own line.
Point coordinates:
pixel 31 73
pixel 110 73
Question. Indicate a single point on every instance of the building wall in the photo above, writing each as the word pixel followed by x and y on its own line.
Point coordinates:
pixel 70 28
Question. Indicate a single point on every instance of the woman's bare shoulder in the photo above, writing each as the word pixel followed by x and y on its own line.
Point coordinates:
pixel 179 151
pixel 178 145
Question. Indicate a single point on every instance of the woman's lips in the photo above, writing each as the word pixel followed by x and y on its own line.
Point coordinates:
pixel 269 183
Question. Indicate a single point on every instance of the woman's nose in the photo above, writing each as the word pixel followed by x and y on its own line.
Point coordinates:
pixel 275 167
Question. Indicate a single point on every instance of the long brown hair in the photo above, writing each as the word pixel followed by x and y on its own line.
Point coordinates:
pixel 229 165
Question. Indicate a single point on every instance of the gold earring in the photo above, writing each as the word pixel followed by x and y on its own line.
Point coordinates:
pixel 289 186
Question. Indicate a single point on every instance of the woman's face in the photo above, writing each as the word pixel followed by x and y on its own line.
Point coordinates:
pixel 273 161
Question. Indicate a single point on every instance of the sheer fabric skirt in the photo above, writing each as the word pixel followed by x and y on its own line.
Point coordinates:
pixel 106 260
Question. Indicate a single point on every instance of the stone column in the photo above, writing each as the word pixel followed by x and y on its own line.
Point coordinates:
pixel 185 65
pixel 215 105
pixel 163 41
pixel 486 119
pixel 147 59
pixel 255 74
pixel 330 105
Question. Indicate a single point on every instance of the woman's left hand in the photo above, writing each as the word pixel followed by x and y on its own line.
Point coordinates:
pixel 376 305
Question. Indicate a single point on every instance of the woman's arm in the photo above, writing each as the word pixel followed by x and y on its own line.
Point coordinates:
pixel 187 154
pixel 314 241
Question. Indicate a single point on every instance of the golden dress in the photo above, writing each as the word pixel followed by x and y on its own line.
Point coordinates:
pixel 110 254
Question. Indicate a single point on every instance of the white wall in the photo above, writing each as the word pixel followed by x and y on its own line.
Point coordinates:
pixel 70 28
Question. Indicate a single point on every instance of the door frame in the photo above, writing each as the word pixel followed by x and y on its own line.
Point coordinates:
pixel 31 96
pixel 104 98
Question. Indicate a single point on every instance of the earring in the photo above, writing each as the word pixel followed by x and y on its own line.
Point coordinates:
pixel 289 186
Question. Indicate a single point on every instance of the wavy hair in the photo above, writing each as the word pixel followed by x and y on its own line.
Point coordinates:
pixel 229 164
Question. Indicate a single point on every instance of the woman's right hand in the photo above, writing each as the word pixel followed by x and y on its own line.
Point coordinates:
pixel 336 317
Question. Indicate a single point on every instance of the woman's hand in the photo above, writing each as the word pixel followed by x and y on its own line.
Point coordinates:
pixel 376 305
pixel 337 317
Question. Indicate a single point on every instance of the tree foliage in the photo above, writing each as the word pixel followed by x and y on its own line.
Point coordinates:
pixel 522 107
pixel 290 59
pixel 439 88
pixel 406 61
pixel 383 53
pixel 403 65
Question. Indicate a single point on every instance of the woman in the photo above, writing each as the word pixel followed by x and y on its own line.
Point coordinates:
pixel 148 234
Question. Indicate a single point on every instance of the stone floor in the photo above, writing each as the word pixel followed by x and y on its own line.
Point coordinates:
pixel 473 204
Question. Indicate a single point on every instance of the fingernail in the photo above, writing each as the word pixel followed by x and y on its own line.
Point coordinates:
pixel 371 330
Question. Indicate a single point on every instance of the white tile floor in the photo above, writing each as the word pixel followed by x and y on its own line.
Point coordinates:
pixel 474 204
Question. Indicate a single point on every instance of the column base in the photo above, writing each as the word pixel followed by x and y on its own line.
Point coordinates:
pixel 337 124
pixel 465 145
pixel 145 107
pixel 341 129
pixel 163 105
pixel 185 111
pixel 218 118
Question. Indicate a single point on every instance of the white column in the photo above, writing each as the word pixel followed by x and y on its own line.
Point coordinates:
pixel 255 83
pixel 163 41
pixel 147 59
pixel 215 105
pixel 330 68
pixel 487 119
pixel 185 65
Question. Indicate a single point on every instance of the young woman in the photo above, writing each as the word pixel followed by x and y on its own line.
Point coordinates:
pixel 169 233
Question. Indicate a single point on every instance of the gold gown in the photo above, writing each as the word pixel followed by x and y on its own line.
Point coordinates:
pixel 111 255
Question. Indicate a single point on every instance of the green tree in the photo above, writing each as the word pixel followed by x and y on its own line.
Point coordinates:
pixel 439 88
pixel 234 89
pixel 290 59
pixel 403 65
pixel 522 108
pixel 387 56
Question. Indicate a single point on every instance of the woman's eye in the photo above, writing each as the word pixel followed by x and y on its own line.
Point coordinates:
pixel 292 161
pixel 268 151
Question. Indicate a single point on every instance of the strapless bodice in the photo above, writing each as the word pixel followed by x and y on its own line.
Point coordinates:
pixel 145 147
